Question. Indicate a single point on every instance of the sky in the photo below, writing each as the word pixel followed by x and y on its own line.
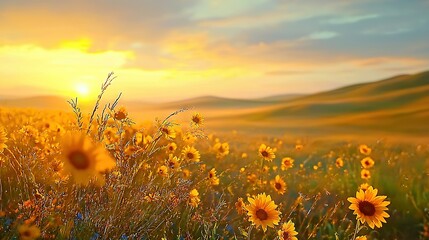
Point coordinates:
pixel 178 49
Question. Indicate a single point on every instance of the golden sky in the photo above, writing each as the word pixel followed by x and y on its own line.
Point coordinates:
pixel 177 49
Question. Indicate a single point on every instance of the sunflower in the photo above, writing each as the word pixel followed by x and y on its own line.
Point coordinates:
pixel 214 180
pixel 287 163
pixel 364 149
pixel 364 186
pixel 27 232
pixel 121 114
pixel 369 208
pixel 361 238
pixel 186 173
pixel 3 139
pixel 222 149
pixel 365 174
pixel 189 138
pixel 194 199
pixel 367 162
pixel 262 211
pixel 168 132
pixel 84 159
pixel 197 119
pixel 173 162
pixel 288 231
pixel 299 147
pixel 266 152
pixel 279 185
pixel 339 163
pixel 162 171
pixel 191 154
pixel 171 147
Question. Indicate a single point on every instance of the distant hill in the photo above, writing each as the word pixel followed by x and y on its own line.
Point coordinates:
pixel 395 105
pixel 42 102
pixel 212 102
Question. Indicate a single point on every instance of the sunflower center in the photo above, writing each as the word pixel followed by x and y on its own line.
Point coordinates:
pixel 120 115
pixel 264 153
pixel 166 131
pixel 190 155
pixel 196 120
pixel 26 233
pixel 367 208
pixel 285 235
pixel 261 214
pixel 278 186
pixel 79 160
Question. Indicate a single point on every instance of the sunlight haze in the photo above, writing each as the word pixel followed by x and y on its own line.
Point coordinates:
pixel 172 50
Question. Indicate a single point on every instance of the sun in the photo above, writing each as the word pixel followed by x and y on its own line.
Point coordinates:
pixel 82 89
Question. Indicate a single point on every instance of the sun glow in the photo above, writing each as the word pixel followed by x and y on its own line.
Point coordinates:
pixel 82 89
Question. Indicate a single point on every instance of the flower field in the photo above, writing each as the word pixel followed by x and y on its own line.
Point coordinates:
pixel 102 175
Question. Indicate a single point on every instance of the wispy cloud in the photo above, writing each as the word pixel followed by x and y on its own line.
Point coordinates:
pixel 351 19
pixel 322 35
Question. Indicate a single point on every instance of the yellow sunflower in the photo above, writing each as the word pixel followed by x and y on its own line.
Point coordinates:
pixel 287 163
pixel 197 119
pixel 361 238
pixel 194 199
pixel 121 114
pixel 266 152
pixel 279 185
pixel 367 162
pixel 84 159
pixel 365 150
pixel 27 232
pixel 369 208
pixel 262 211
pixel 364 186
pixel 213 179
pixel 365 174
pixel 162 171
pixel 288 231
pixel 191 154
pixel 222 149
pixel 173 162
pixel 168 132
pixel 339 163
pixel 186 173
pixel 171 147
pixel 3 139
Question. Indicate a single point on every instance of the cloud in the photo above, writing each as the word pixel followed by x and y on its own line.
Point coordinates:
pixel 322 35
pixel 351 19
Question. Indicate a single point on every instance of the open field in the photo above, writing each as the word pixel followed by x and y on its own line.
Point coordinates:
pixel 69 177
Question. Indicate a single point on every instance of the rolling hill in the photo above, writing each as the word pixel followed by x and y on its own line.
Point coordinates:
pixel 397 105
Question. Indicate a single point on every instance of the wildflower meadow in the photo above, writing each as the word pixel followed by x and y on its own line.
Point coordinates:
pixel 103 175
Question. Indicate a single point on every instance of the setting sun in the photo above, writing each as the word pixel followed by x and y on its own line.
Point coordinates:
pixel 82 89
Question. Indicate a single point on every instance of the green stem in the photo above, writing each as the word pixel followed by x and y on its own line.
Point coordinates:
pixel 356 229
